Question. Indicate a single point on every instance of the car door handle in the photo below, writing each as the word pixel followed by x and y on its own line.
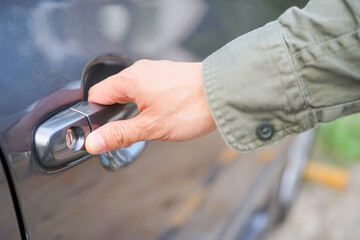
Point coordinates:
pixel 60 141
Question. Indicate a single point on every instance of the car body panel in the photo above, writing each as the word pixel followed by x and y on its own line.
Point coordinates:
pixel 45 47
pixel 8 220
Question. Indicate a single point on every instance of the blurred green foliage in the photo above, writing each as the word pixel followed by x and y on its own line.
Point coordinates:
pixel 339 140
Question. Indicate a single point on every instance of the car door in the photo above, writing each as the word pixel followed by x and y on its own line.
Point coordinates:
pixel 8 221
pixel 173 190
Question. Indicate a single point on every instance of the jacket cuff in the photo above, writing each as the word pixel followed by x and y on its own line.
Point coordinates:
pixel 253 90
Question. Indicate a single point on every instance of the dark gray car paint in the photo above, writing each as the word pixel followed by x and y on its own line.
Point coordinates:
pixel 8 222
pixel 45 45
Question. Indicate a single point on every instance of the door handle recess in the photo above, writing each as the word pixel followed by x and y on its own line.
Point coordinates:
pixel 60 141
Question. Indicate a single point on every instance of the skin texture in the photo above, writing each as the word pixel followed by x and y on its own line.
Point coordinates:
pixel 170 98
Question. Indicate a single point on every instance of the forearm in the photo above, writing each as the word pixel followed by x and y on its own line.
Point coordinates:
pixel 294 73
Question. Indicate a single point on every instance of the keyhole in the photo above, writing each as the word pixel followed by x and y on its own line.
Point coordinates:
pixel 75 138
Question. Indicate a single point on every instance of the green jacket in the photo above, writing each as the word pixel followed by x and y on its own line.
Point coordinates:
pixel 287 76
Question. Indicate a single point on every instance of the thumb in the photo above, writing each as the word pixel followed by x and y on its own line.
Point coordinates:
pixel 115 135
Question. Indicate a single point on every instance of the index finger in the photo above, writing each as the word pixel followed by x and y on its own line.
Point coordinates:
pixel 114 89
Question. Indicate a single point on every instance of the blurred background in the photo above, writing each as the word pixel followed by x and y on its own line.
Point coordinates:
pixel 328 203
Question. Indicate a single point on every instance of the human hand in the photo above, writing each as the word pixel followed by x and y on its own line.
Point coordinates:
pixel 169 96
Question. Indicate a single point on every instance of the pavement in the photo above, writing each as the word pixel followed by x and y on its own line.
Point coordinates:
pixel 324 213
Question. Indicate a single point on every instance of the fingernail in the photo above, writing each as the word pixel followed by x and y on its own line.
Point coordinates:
pixel 96 143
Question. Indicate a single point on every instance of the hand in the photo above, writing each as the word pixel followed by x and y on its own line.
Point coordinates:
pixel 170 98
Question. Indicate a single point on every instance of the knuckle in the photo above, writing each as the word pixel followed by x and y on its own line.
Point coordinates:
pixel 143 66
pixel 126 84
pixel 114 83
pixel 127 74
pixel 117 137
pixel 145 125
pixel 151 128
pixel 142 62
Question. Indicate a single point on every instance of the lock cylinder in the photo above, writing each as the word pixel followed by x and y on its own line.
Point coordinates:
pixel 75 139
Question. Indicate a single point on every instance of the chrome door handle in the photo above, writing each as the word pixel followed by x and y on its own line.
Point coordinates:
pixel 60 141
pixel 122 157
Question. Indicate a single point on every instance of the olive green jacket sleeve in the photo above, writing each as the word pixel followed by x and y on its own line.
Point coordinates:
pixel 287 76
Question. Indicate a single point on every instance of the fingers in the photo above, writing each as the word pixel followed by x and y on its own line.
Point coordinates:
pixel 115 135
pixel 114 89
